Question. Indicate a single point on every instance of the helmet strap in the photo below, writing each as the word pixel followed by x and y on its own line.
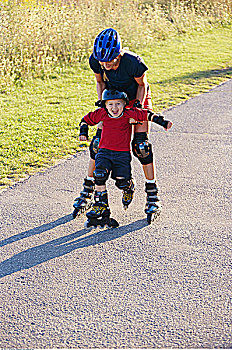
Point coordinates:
pixel 105 78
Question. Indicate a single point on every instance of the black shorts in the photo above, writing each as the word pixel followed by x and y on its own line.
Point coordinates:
pixel 119 162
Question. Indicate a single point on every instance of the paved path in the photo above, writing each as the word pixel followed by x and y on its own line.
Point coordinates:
pixel 138 286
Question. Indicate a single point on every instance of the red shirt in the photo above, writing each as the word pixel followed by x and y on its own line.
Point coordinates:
pixel 116 132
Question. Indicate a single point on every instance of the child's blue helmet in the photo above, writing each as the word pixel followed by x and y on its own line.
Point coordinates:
pixel 114 95
pixel 107 45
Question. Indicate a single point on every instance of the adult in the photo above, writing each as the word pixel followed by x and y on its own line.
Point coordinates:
pixel 119 69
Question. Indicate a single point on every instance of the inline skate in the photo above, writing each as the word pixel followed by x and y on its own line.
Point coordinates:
pixel 153 205
pixel 84 201
pixel 128 194
pixel 99 215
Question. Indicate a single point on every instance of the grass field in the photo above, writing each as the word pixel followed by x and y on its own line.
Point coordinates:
pixel 37 36
pixel 39 120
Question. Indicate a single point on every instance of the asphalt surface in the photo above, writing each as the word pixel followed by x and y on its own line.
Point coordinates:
pixel 164 285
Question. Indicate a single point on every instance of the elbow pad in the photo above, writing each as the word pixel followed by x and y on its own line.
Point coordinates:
pixel 137 104
pixel 157 118
pixel 84 129
pixel 98 104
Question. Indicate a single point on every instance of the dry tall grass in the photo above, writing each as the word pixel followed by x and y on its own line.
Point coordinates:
pixel 36 36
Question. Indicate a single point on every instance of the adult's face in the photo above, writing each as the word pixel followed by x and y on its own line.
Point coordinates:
pixel 111 64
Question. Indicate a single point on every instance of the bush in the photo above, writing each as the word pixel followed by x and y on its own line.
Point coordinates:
pixel 38 36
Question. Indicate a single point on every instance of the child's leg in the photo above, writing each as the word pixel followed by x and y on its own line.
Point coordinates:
pixel 121 172
pixel 128 188
pixel 101 174
pixel 100 207
pixel 99 216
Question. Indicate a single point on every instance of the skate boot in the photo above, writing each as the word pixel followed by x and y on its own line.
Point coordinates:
pixel 153 205
pixel 128 195
pixel 84 202
pixel 99 215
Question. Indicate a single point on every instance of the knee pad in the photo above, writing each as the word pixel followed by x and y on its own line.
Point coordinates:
pixel 93 148
pixel 100 176
pixel 142 148
pixel 124 184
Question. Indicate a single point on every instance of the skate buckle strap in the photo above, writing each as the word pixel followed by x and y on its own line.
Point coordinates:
pixel 99 207
pixel 154 190
pixel 88 187
pixel 85 194
pixel 153 197
pixel 154 206
pixel 79 202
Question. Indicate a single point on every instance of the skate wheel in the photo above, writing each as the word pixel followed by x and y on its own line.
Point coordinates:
pixel 157 214
pixel 86 224
pixel 125 207
pixel 113 223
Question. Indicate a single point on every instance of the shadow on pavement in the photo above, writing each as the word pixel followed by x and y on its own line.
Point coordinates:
pixel 198 75
pixel 61 246
pixel 37 230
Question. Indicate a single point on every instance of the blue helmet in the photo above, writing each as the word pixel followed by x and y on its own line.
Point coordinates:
pixel 114 95
pixel 107 45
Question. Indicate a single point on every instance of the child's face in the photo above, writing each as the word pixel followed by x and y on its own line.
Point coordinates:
pixel 115 107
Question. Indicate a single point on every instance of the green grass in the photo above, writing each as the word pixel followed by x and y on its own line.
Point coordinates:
pixel 39 121
pixel 38 35
pixel 187 65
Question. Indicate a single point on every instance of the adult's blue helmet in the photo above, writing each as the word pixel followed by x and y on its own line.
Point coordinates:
pixel 107 45
pixel 114 95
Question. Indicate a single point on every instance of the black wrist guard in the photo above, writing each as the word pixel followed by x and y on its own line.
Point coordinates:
pixel 137 104
pixel 99 132
pixel 98 103
pixel 84 129
pixel 157 118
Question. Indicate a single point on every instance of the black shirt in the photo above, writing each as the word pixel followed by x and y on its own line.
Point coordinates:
pixel 131 66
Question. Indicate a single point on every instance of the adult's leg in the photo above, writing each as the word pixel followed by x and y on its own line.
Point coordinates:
pixel 91 168
pixel 142 149
pixel 93 150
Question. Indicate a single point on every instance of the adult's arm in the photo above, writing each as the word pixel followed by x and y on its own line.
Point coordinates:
pixel 100 85
pixel 142 88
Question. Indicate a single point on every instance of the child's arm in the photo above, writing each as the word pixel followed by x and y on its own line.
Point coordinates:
pixel 84 131
pixel 159 119
pixel 92 118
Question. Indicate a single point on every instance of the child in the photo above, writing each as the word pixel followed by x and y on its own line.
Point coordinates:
pixel 114 147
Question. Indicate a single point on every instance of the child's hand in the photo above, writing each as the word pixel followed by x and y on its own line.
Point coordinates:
pixel 83 138
pixel 134 122
pixel 169 125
